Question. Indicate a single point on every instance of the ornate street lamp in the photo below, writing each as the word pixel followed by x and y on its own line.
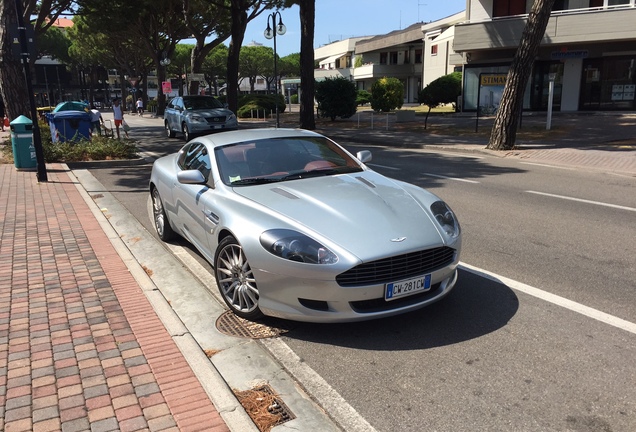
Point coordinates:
pixel 269 34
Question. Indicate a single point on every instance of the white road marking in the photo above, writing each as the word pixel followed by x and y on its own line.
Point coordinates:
pixel 584 201
pixel 452 178
pixel 554 299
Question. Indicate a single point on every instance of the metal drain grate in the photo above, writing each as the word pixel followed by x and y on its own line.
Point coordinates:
pixel 265 407
pixel 232 325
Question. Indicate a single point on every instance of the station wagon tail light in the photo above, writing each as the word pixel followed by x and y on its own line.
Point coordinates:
pixel 445 218
pixel 294 246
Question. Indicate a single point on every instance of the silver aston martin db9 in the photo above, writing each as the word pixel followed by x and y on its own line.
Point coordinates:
pixel 298 228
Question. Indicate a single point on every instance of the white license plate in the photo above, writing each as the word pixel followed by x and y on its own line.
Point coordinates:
pixel 407 287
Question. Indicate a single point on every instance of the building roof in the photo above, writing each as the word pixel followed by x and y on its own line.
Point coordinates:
pixel 412 34
pixel 63 23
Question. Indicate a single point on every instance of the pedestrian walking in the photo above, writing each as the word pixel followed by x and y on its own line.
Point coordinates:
pixel 96 120
pixel 118 116
pixel 140 107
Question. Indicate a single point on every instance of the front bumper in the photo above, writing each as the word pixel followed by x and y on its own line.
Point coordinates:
pixel 325 301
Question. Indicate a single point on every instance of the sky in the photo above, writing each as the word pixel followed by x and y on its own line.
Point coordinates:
pixel 342 19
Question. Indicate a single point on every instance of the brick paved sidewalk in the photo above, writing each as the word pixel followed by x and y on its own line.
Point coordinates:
pixel 81 348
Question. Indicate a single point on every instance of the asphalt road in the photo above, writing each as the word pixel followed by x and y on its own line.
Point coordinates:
pixel 497 354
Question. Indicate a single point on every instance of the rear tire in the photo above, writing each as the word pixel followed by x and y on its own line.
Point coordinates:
pixel 169 131
pixel 235 280
pixel 162 224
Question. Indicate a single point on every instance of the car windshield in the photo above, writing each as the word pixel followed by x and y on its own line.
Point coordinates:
pixel 282 159
pixel 201 103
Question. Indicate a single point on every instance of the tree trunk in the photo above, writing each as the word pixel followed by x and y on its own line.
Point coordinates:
pixel 13 86
pixel 307 24
pixel 504 129
pixel 239 23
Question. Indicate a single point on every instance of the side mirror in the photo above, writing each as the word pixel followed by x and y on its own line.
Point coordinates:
pixel 191 177
pixel 364 156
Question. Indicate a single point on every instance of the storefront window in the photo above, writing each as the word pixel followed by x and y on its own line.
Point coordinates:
pixel 471 85
pixel 541 85
pixel 609 83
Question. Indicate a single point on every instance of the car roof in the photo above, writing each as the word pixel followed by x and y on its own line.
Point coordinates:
pixel 231 137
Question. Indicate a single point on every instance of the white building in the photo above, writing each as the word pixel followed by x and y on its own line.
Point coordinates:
pixel 589 49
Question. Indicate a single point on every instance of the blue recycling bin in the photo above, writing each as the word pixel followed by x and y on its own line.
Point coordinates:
pixel 22 143
pixel 69 125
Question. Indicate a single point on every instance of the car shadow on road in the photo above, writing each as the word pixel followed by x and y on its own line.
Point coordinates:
pixel 476 307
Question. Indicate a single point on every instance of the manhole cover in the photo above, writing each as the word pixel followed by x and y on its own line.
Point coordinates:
pixel 233 325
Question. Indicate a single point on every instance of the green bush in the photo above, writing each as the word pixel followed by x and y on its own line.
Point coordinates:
pixel 253 103
pixel 443 90
pixel 97 148
pixel 363 97
pixel 294 98
pixel 387 94
pixel 252 110
pixel 336 97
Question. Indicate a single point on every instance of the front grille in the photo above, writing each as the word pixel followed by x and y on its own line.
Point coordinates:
pixel 396 268
pixel 216 119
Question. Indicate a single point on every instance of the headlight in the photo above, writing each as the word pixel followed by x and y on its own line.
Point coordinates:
pixel 446 218
pixel 295 246
pixel 231 117
pixel 197 118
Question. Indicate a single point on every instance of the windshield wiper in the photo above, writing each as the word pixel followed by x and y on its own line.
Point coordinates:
pixel 254 181
pixel 321 173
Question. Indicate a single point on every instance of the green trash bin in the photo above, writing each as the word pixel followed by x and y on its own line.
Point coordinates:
pixel 22 143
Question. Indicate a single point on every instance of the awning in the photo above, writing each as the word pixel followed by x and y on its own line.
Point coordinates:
pixel 331 59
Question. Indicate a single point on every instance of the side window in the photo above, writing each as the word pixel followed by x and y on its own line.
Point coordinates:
pixel 171 103
pixel 178 103
pixel 196 157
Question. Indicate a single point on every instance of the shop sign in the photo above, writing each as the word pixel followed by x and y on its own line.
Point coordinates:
pixel 566 54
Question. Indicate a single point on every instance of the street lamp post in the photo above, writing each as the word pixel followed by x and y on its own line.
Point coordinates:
pixel 269 34
pixel 164 62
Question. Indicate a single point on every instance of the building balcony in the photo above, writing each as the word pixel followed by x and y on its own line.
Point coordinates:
pixel 368 71
pixel 564 27
pixel 321 74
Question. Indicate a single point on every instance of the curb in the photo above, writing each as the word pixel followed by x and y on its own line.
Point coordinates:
pixel 215 387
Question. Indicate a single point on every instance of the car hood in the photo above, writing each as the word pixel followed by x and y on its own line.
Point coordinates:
pixel 369 215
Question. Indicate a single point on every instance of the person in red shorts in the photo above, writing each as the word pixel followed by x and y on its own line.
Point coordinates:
pixel 118 115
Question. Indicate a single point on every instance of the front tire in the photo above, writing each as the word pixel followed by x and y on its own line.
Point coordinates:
pixel 235 280
pixel 162 224
pixel 169 131
pixel 186 132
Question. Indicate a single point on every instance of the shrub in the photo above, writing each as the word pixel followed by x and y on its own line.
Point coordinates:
pixel 152 105
pixel 336 97
pixel 443 90
pixel 97 148
pixel 259 102
pixel 363 97
pixel 294 98
pixel 387 94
